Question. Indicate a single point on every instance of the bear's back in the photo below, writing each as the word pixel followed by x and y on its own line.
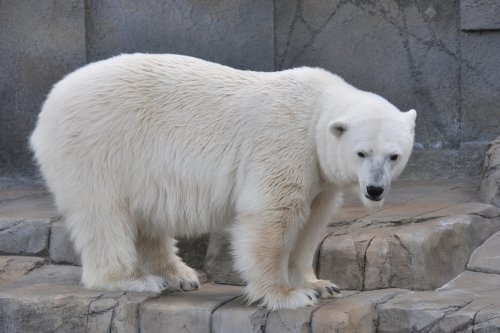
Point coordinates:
pixel 161 128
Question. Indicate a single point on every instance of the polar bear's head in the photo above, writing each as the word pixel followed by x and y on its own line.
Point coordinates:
pixel 367 146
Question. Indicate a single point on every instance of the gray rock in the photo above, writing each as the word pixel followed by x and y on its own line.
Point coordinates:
pixel 486 258
pixel 476 282
pixel 13 267
pixel 345 315
pixel 342 260
pixel 418 311
pixel 61 248
pixel 49 308
pixel 354 313
pixel 283 321
pixel 489 189
pixel 387 264
pixel 219 262
pixel 238 316
pixel 50 274
pixel 29 237
pixel 422 253
pixel 439 250
pixel 49 299
pixel 487 318
pixel 468 303
pixel 185 311
pixel 474 208
pixel 479 15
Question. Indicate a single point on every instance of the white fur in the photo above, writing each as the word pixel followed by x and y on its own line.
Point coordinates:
pixel 139 149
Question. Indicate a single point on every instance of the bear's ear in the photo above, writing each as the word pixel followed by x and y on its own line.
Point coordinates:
pixel 411 116
pixel 337 127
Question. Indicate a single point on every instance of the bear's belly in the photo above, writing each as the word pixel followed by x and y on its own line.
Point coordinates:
pixel 187 208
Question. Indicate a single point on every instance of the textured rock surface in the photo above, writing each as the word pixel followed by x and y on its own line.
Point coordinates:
pixel 237 316
pixel 419 311
pixel 406 245
pixel 29 237
pixel 61 248
pixel 48 298
pixel 12 267
pixel 468 303
pixel 185 312
pixel 487 257
pixel 489 189
pixel 479 14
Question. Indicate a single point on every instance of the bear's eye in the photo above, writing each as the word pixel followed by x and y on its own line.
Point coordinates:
pixel 361 154
pixel 394 157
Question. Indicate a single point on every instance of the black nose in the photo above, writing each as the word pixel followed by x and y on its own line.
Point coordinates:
pixel 374 191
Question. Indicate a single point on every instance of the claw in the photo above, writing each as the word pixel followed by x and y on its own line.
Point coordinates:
pixel 329 290
pixel 317 293
pixel 309 297
pixel 259 302
pixel 336 290
pixel 181 286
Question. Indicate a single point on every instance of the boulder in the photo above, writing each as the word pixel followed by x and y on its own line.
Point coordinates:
pixel 489 189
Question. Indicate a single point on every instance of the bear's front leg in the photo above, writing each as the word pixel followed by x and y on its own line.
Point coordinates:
pixel 262 243
pixel 302 256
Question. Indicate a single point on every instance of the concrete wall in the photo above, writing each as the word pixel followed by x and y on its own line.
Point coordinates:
pixel 439 57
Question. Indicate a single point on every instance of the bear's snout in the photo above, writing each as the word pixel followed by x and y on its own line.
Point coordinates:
pixel 374 192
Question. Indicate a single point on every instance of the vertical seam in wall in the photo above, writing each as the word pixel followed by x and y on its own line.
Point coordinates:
pixel 459 79
pixel 274 35
pixel 86 10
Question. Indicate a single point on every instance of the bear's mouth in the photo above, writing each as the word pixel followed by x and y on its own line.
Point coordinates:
pixel 373 198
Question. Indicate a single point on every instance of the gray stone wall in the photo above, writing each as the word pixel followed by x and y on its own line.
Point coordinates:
pixel 40 42
pixel 440 57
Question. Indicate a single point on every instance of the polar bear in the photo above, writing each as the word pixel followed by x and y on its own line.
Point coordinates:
pixel 139 149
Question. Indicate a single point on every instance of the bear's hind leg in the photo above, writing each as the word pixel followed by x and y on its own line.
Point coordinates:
pixel 261 245
pixel 157 255
pixel 301 259
pixel 106 242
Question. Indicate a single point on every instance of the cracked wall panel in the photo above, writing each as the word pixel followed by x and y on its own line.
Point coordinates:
pixel 296 25
pixel 406 52
pixel 480 86
pixel 41 41
pixel 479 14
pixel 236 33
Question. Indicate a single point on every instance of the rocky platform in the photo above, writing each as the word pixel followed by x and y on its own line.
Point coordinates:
pixel 429 261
